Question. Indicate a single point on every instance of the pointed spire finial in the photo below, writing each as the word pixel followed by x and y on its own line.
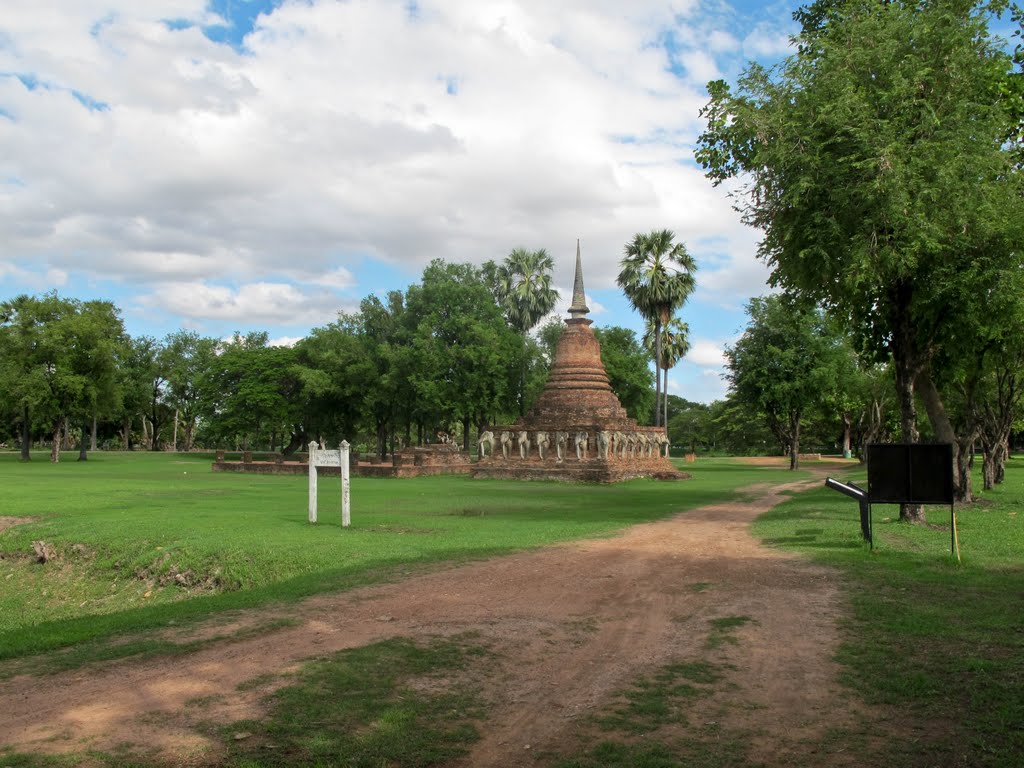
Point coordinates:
pixel 579 306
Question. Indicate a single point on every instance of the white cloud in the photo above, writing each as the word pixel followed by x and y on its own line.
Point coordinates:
pixel 767 40
pixel 706 353
pixel 285 341
pixel 251 304
pixel 351 130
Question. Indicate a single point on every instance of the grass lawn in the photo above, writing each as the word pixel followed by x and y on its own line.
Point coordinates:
pixel 943 642
pixel 143 540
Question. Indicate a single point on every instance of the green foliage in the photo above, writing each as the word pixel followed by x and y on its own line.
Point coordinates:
pixel 365 710
pixel 58 360
pixel 252 391
pixel 187 357
pixel 875 160
pixel 787 363
pixel 625 361
pixel 657 277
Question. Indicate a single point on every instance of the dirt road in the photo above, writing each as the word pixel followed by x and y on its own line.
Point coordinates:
pixel 573 624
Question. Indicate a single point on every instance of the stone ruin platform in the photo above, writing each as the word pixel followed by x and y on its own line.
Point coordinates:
pixel 444 459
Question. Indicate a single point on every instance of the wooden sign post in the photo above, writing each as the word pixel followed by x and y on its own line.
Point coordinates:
pixel 323 458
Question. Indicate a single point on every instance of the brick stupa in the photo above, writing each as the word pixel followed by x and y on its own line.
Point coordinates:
pixel 599 442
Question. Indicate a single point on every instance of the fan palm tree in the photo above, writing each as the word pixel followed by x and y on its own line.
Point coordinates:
pixel 675 343
pixel 657 278
pixel 522 284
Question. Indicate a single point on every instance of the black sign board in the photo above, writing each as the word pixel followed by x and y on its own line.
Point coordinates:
pixel 910 474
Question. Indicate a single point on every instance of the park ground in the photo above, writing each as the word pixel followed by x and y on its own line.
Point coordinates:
pixel 686 640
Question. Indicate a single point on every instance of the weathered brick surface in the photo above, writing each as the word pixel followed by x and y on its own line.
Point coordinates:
pixel 414 462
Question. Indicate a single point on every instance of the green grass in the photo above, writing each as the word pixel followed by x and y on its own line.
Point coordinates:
pixel 395 703
pixel 941 642
pixel 146 541
pixel 659 699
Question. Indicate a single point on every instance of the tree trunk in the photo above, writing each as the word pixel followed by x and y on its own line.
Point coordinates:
pixel 58 430
pixel 295 441
pixel 26 435
pixel 941 426
pixel 1002 456
pixel 466 422
pixel 905 365
pixel 988 468
pixel 82 445
pixel 962 462
pixel 794 441
pixel 92 433
pixel 176 430
pixel 657 367
pixel 664 395
pixel 847 429
pixel 522 379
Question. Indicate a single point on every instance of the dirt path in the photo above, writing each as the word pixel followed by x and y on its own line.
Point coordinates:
pixel 572 625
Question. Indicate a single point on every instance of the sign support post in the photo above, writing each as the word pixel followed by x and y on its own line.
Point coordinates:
pixel 346 516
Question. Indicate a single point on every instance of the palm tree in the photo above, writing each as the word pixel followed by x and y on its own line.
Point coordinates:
pixel 675 343
pixel 657 278
pixel 522 285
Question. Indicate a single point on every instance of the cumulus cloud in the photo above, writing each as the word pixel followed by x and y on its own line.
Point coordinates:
pixel 706 353
pixel 250 304
pixel 232 184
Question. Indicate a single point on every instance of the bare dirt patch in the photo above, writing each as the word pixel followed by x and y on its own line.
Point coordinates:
pixel 8 522
pixel 571 626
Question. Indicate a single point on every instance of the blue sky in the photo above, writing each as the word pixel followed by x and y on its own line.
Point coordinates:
pixel 258 165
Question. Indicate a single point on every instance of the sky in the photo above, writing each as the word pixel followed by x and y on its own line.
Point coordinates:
pixel 242 165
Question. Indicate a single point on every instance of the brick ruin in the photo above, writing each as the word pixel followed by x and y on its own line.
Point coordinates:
pixel 578 429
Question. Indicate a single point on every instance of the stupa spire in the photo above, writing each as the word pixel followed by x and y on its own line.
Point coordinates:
pixel 579 306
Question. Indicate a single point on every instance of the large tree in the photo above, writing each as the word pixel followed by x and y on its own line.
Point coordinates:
pixel 58 358
pixel 463 349
pixel 657 277
pixel 625 361
pixel 875 161
pixel 521 284
pixel 187 357
pixel 784 365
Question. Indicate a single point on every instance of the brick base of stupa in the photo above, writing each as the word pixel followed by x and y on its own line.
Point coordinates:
pixel 622 463
pixel 571 469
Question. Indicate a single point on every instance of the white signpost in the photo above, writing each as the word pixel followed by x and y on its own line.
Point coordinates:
pixel 323 458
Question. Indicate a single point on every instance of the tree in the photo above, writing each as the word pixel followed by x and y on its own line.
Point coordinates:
pixel 187 357
pixel 784 365
pixel 98 336
pixel 58 361
pixel 657 277
pixel 675 343
pixel 875 161
pixel 521 285
pixel 463 348
pixel 255 391
pixel 691 425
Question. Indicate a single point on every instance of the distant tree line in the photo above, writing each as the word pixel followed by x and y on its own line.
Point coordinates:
pixel 453 353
